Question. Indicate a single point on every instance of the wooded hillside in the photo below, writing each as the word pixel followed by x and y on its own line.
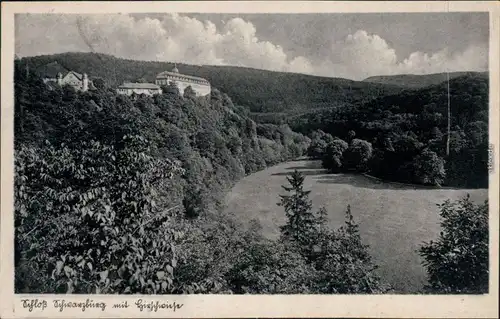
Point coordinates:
pixel 402 126
pixel 118 194
pixel 258 90
pixel 413 81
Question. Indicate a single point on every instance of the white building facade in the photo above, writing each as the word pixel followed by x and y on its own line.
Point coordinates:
pixel 138 88
pixel 200 85
pixel 79 82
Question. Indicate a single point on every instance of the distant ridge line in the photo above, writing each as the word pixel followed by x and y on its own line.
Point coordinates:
pixel 417 81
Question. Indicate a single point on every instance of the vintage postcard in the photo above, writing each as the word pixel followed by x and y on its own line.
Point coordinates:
pixel 250 159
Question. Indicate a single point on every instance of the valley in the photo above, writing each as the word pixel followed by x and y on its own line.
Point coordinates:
pixel 394 219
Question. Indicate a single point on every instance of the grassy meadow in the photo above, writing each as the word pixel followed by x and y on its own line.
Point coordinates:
pixel 394 219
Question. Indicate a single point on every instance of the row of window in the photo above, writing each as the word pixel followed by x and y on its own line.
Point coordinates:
pixel 164 82
pixel 144 90
pixel 138 92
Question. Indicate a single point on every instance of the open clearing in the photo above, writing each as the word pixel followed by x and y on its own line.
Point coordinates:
pixel 394 219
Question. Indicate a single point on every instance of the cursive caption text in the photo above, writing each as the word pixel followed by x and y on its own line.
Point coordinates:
pixel 62 304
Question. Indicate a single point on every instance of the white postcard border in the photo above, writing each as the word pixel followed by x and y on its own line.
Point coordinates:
pixel 211 306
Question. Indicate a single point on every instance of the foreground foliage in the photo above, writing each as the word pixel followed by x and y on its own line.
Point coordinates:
pixel 118 194
pixel 457 262
pixel 339 260
pixel 90 228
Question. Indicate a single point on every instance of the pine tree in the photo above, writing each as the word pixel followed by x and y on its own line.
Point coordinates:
pixel 303 225
pixel 351 238
pixel 341 260
pixel 344 264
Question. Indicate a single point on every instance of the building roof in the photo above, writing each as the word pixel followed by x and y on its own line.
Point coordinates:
pixel 149 86
pixel 166 74
pixel 51 70
pixel 78 75
pixel 52 85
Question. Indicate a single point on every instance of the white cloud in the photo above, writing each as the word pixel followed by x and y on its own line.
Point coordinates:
pixel 300 65
pixel 473 58
pixel 362 55
pixel 179 38
pixel 366 54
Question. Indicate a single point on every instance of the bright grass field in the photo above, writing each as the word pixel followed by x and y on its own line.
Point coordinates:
pixel 394 219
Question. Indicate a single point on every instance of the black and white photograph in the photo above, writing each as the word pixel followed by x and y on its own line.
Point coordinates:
pixel 171 153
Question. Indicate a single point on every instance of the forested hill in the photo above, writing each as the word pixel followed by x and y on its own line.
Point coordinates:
pixel 259 90
pixel 468 98
pixel 120 195
pixel 413 81
pixel 416 120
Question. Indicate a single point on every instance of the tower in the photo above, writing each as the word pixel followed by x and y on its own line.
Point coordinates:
pixel 59 79
pixel 85 82
pixel 175 69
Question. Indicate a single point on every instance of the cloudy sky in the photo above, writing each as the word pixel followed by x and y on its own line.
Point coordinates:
pixel 352 46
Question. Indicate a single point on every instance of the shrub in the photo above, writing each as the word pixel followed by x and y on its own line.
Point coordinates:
pixel 428 168
pixel 333 156
pixel 270 268
pixel 457 262
pixel 189 93
pixel 86 217
pixel 205 254
pixel 193 203
pixel 319 143
pixel 358 154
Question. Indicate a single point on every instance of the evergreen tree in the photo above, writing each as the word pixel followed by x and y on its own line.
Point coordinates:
pixel 303 226
pixel 343 262
pixel 340 260
pixel 351 239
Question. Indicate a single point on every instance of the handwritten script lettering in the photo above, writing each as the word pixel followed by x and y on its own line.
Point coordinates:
pixel 89 303
pixel 157 305
pixel 122 305
pixel 62 305
pixel 34 303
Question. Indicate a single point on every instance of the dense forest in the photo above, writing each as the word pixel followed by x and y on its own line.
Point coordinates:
pixel 117 194
pixel 413 81
pixel 258 90
pixel 403 137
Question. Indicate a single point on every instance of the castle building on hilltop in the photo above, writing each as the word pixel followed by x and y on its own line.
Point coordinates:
pixel 55 75
pixel 200 85
pixel 138 88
